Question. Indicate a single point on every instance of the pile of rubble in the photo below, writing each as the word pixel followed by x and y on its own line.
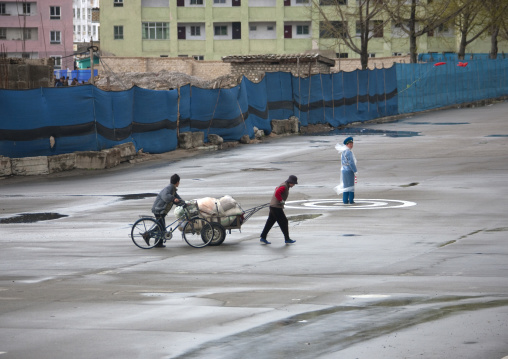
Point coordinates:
pixel 162 80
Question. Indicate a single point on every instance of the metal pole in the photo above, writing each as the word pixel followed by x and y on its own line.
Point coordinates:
pixel 92 79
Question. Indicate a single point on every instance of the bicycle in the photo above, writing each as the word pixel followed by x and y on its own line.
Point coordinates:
pixel 147 232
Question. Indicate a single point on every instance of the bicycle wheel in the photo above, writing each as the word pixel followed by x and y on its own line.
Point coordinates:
pixel 198 232
pixel 146 233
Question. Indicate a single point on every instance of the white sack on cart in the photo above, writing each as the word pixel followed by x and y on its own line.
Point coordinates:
pixel 234 211
pixel 209 206
pixel 227 202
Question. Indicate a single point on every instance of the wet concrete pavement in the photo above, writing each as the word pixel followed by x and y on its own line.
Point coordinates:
pixel 416 269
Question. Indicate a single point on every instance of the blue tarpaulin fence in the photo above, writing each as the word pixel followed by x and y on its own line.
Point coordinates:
pixel 80 75
pixel 86 118
pixel 427 86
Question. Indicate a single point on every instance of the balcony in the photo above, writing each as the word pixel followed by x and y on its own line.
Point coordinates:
pixel 262 14
pixel 297 45
pixel 262 46
pixel 189 14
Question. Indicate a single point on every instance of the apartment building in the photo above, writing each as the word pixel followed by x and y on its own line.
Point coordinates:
pixel 211 29
pixel 86 25
pixel 37 29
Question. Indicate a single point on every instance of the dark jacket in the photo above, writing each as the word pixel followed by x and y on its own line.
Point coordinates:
pixel 164 200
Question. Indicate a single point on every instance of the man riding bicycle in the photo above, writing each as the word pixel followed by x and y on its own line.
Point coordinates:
pixel 163 204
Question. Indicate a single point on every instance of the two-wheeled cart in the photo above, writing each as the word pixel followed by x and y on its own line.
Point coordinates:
pixel 223 223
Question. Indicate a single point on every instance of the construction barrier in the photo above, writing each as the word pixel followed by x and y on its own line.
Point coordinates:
pixel 52 121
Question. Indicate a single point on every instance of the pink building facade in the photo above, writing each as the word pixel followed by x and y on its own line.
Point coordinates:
pixel 37 29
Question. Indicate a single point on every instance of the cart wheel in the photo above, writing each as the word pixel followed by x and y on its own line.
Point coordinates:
pixel 219 234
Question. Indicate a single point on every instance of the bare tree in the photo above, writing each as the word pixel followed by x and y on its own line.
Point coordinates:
pixel 497 11
pixel 420 17
pixel 472 22
pixel 335 19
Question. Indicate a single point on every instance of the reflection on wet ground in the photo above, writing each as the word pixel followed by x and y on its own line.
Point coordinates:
pixel 126 197
pixel 497 136
pixel 32 217
pixel 323 332
pixel 410 184
pixel 260 169
pixel 366 131
pixel 302 217
pixel 436 123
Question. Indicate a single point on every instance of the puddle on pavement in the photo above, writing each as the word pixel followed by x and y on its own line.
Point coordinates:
pixel 32 217
pixel 349 235
pixel 436 123
pixel 447 243
pixel 332 329
pixel 126 197
pixel 497 136
pixel 260 169
pixel 366 131
pixel 410 184
pixel 303 217
pixel 500 229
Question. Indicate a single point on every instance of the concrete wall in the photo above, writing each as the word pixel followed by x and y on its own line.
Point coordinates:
pixel 208 70
pixel 42 165
pixel 349 65
pixel 253 70
pixel 20 74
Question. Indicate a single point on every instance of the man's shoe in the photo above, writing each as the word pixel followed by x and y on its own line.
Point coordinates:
pixel 160 245
pixel 264 241
pixel 146 237
pixel 289 241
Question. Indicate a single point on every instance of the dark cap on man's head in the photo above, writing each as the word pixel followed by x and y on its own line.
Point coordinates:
pixel 292 179
pixel 347 140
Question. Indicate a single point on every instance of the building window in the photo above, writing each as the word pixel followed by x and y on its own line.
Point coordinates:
pixel 195 31
pixel 198 57
pixel 219 1
pixel 79 13
pixel 342 55
pixel 3 33
pixel 2 9
pixel 269 28
pixel 372 54
pixel 221 30
pixel 54 12
pixel 27 34
pixel 26 8
pixel 118 3
pixel 333 2
pixel 54 37
pixel 375 28
pixel 332 29
pixel 302 29
pixel 155 30
pixel 253 28
pixel 302 1
pixel 196 2
pixel 58 62
pixel 118 30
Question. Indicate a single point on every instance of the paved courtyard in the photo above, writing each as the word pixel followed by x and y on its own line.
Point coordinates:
pixel 418 268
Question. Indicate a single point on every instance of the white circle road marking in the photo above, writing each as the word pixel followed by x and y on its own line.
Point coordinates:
pixel 336 204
